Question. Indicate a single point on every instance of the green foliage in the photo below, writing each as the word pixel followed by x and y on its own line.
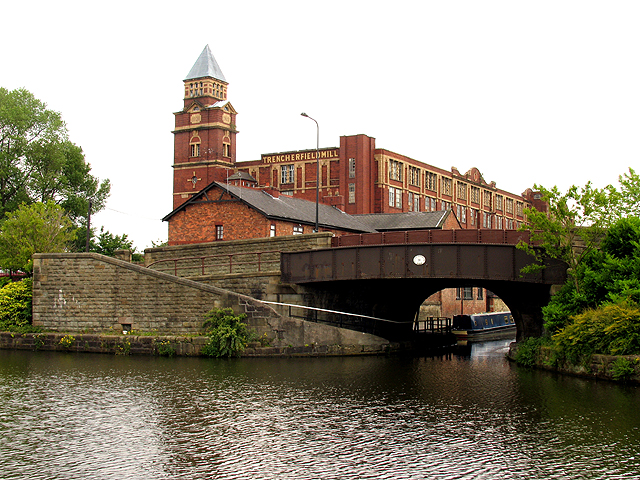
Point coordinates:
pixel 528 352
pixel 15 306
pixel 581 214
pixel 622 369
pixel 36 228
pixel 628 204
pixel 613 329
pixel 228 334
pixel 38 163
pixel 165 349
pixel 608 275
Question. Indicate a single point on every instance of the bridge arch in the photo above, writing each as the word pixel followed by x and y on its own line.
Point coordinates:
pixel 391 281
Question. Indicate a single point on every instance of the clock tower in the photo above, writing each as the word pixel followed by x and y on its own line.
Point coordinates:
pixel 205 131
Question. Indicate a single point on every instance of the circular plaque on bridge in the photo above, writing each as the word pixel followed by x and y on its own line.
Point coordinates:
pixel 419 259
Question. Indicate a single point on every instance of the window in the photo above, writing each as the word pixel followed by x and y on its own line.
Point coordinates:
pixel 472 216
pixel 446 186
pixel 430 181
pixel 487 199
pixel 395 170
pixel 395 197
pixel 499 202
pixel 286 174
pixel 519 207
pixel 298 230
pixel 475 195
pixel 352 168
pixel 195 149
pixel 509 205
pixel 463 217
pixel 462 191
pixel 226 150
pixel 480 294
pixel 352 193
pixel 413 202
pixel 272 230
pixel 414 176
pixel 219 232
pixel 429 204
pixel 464 293
pixel 445 205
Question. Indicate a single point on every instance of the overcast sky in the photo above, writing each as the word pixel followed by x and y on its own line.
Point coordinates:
pixel 544 92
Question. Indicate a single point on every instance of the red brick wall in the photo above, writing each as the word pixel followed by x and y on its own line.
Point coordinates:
pixel 197 223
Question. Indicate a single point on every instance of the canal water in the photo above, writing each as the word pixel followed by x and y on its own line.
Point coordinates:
pixel 468 415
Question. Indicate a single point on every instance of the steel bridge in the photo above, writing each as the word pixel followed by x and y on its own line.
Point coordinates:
pixel 389 275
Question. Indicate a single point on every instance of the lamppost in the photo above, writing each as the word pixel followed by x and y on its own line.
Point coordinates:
pixel 317 229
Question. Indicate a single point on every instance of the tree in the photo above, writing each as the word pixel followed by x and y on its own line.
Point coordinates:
pixel 576 221
pixel 38 162
pixel 35 228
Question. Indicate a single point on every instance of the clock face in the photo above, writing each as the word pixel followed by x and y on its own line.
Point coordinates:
pixel 419 260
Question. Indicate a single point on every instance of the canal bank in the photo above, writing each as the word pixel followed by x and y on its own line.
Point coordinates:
pixel 172 345
pixel 624 368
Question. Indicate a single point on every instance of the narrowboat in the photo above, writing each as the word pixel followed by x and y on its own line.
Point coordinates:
pixel 483 326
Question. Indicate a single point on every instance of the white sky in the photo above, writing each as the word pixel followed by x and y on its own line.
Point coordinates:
pixel 544 92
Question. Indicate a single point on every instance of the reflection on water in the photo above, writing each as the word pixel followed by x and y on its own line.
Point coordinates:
pixel 459 416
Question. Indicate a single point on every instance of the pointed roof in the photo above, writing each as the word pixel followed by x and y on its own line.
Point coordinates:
pixel 281 208
pixel 206 66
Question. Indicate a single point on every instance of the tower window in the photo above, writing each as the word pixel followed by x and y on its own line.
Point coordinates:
pixel 219 232
pixel 226 150
pixel 195 149
pixel 352 193
pixel 352 168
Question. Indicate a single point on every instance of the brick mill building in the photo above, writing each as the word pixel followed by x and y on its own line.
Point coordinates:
pixel 216 197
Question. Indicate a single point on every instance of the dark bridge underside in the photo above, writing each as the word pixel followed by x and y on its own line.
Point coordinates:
pixel 392 281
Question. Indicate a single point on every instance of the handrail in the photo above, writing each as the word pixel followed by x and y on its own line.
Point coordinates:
pixel 203 265
pixel 332 311
pixel 477 236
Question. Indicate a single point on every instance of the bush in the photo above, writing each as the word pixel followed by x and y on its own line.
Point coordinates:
pixel 528 352
pixel 613 329
pixel 228 334
pixel 15 305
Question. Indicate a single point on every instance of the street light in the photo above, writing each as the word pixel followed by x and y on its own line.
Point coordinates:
pixel 317 229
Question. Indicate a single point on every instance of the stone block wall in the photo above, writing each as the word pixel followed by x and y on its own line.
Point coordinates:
pixel 231 257
pixel 88 292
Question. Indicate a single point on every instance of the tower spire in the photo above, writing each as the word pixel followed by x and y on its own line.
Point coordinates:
pixel 205 80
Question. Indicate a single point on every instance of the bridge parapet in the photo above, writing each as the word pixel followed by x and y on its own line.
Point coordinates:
pixel 475 236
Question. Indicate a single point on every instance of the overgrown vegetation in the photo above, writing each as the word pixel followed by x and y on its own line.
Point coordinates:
pixel 598 310
pixel 227 332
pixel 15 307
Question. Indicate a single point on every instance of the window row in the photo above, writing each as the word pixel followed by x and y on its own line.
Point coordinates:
pixel 466 293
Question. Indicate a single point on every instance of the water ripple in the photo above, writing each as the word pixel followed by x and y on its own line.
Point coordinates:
pixel 102 417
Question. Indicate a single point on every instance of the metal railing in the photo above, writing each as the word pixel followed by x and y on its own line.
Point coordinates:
pixel 436 325
pixel 220 264
pixel 481 236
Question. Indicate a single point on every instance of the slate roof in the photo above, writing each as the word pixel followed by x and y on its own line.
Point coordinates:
pixel 243 176
pixel 281 208
pixel 384 222
pixel 206 66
